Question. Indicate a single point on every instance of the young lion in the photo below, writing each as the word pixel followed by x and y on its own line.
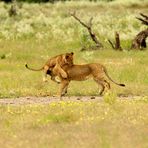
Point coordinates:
pixel 54 63
pixel 83 72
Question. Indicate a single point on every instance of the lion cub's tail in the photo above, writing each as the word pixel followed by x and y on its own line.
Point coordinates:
pixel 33 68
pixel 123 85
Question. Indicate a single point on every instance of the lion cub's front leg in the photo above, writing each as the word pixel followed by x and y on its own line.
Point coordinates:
pixel 53 77
pixel 57 70
pixel 63 87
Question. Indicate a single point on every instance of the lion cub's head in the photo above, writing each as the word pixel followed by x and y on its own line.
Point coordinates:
pixel 69 58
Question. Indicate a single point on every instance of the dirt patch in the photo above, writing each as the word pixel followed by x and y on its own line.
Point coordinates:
pixel 48 100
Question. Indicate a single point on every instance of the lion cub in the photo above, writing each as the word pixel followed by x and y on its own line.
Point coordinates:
pixel 83 72
pixel 54 63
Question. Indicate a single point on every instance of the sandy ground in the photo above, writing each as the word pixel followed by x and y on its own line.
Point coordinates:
pixel 48 100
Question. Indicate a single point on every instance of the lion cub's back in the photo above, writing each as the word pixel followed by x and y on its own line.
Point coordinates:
pixel 79 72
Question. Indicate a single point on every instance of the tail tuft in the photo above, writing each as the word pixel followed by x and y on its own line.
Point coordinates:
pixel 122 85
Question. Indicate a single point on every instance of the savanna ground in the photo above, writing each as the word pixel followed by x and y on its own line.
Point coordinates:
pixel 41 31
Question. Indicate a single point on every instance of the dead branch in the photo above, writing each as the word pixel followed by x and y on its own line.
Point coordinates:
pixel 111 44
pixel 139 42
pixel 117 45
pixel 89 28
pixel 145 16
pixel 144 20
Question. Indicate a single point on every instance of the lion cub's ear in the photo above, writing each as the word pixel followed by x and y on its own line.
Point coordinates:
pixel 72 53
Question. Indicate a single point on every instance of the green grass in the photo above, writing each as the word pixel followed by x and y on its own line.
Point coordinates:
pixel 41 31
pixel 128 67
pixel 76 124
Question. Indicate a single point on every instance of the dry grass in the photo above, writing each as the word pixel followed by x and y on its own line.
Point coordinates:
pixel 76 124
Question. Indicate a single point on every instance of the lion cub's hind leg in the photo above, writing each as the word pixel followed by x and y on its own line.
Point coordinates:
pixel 103 83
pixel 46 68
pixel 102 89
pixel 107 84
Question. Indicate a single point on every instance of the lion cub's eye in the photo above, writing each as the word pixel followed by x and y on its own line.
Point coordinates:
pixel 67 56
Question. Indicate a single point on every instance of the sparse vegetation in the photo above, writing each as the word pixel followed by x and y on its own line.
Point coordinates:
pixel 40 31
pixel 76 124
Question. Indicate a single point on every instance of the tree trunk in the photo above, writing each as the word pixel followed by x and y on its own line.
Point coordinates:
pixel 139 42
pixel 117 44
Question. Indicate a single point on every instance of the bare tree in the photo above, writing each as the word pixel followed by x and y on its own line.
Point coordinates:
pixel 88 26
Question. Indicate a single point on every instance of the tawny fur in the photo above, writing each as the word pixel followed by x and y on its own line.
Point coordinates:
pixel 83 72
pixel 54 63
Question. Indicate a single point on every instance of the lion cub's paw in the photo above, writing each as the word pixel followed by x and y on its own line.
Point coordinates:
pixel 64 75
pixel 58 96
pixel 45 80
